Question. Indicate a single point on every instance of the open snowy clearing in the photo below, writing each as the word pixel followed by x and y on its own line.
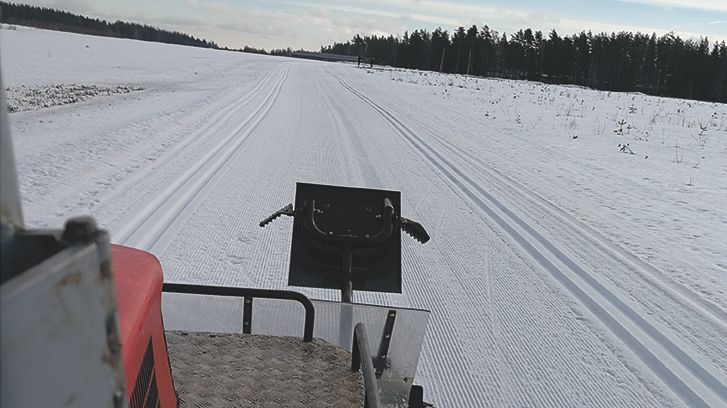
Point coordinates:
pixel 562 271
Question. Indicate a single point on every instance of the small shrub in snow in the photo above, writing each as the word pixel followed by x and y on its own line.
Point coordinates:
pixel 625 149
pixel 678 157
pixel 620 130
pixel 702 136
pixel 702 129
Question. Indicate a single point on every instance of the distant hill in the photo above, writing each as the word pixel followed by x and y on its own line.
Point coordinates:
pixel 58 20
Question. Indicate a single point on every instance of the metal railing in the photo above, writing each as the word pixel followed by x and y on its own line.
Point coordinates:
pixel 248 294
pixel 361 348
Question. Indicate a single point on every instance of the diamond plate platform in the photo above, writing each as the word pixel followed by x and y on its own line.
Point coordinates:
pixel 239 370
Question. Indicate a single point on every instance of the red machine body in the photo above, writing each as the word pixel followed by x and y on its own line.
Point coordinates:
pixel 138 279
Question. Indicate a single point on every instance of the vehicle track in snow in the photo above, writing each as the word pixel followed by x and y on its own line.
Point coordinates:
pixel 686 314
pixel 675 290
pixel 192 141
pixel 492 339
pixel 695 382
pixel 150 225
pixel 699 323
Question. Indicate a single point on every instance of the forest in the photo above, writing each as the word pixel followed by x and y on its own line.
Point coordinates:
pixel 664 65
pixel 58 20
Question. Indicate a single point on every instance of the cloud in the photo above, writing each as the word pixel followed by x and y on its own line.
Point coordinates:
pixel 75 6
pixel 298 25
pixel 311 23
pixel 712 5
pixel 434 20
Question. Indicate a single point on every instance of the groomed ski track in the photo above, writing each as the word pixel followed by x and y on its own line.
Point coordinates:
pixel 530 306
pixel 685 376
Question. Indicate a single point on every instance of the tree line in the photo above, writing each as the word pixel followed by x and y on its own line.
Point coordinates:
pixel 665 66
pixel 51 19
pixel 58 20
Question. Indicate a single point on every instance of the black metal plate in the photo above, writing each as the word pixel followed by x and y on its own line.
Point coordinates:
pixel 346 210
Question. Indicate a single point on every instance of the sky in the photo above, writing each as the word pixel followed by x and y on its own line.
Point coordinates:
pixel 308 24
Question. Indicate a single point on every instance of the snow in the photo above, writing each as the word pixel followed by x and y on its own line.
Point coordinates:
pixel 561 271
pixel 25 98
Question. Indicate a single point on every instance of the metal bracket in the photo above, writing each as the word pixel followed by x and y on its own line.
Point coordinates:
pixel 287 210
pixel 359 349
pixel 310 311
pixel 382 356
pixel 415 230
pixel 247 315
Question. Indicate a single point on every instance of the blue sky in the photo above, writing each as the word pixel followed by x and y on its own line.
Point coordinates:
pixel 311 23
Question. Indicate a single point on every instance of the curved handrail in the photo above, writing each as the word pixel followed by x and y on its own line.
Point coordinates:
pixel 310 312
pixel 309 223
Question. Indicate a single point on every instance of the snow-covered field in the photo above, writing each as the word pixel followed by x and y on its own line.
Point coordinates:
pixel 562 271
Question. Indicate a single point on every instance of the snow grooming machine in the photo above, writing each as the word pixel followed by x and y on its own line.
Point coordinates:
pixel 85 323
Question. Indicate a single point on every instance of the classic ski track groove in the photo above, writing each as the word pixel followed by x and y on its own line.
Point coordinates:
pixel 150 224
pixel 651 279
pixel 710 323
pixel 674 289
pixel 464 388
pixel 453 356
pixel 190 140
pixel 626 258
pixel 642 338
pixel 505 364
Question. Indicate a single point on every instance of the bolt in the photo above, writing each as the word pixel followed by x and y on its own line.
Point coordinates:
pixel 119 398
